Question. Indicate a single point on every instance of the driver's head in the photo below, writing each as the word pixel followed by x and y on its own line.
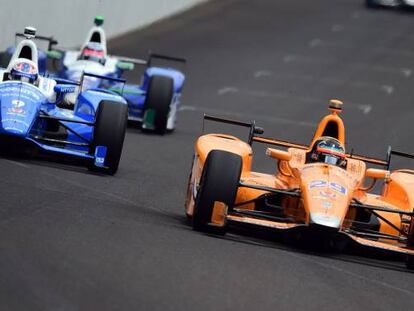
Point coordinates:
pixel 328 150
pixel 93 51
pixel 23 71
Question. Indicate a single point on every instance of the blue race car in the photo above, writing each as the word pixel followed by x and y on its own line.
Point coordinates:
pixel 34 111
pixel 154 103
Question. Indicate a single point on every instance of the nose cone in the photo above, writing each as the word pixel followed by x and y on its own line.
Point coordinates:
pixel 324 220
pixel 327 190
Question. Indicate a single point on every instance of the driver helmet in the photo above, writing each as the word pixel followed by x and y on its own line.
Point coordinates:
pixel 328 150
pixel 23 71
pixel 93 51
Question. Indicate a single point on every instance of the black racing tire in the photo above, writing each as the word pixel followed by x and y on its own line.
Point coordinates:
pixel 158 100
pixel 110 126
pixel 219 182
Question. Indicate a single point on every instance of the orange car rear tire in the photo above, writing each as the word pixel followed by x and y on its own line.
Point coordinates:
pixel 218 183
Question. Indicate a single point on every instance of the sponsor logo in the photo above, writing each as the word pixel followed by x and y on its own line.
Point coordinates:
pixel 337 187
pixel 15 121
pixel 29 92
pixel 100 154
pixel 317 184
pixel 18 103
pixel 332 185
pixel 327 194
pixel 17 107
pixel 18 111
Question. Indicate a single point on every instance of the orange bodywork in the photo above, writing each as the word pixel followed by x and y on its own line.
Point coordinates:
pixel 323 195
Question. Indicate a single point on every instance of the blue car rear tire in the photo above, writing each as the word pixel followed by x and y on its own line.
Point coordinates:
pixel 158 101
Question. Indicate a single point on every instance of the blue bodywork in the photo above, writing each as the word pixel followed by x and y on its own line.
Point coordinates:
pixel 27 115
pixel 135 94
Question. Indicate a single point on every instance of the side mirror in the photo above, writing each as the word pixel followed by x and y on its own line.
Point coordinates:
pixel 64 88
pixel 53 54
pixel 278 154
pixel 125 65
pixel 377 173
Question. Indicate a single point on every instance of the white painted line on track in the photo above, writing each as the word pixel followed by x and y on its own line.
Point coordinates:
pixel 315 42
pixel 291 58
pixel 320 43
pixel 247 116
pixel 406 72
pixel 389 89
pixel 262 73
pixel 365 108
pixel 226 90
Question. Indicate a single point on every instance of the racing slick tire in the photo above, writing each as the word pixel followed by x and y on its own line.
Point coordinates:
pixel 110 126
pixel 218 183
pixel 157 103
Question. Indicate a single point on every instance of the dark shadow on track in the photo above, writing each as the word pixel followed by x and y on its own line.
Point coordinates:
pixel 268 238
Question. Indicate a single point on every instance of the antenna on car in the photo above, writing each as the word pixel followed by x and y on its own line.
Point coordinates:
pixel 29 32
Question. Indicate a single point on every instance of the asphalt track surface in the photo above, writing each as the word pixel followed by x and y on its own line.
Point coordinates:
pixel 72 240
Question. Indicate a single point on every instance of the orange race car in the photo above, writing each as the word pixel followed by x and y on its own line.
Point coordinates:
pixel 317 189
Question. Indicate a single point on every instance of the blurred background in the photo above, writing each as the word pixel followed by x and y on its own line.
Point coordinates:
pixel 70 20
pixel 70 240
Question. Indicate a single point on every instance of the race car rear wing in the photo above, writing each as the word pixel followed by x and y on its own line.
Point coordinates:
pixel 151 57
pixel 255 130
pixel 51 41
pixel 252 125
